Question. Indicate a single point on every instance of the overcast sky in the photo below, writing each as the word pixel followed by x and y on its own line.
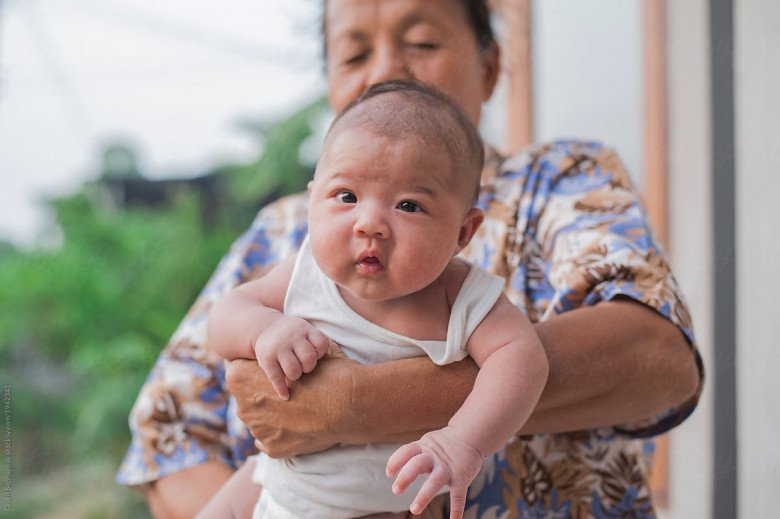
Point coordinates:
pixel 172 77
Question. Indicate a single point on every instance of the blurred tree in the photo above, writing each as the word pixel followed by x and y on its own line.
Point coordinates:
pixel 81 325
pixel 283 167
pixel 119 160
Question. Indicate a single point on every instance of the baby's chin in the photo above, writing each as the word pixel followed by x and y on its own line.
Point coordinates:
pixel 371 292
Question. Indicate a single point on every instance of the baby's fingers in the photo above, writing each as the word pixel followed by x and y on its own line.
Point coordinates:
pixel 420 464
pixel 290 364
pixel 438 478
pixel 275 376
pixel 319 341
pixel 402 454
pixel 307 355
pixel 457 501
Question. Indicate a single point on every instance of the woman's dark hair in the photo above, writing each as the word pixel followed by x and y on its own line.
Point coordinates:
pixel 477 13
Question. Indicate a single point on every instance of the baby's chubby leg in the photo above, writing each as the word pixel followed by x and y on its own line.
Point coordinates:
pixel 236 499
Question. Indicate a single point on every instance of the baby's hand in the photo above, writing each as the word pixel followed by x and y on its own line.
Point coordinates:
pixel 289 347
pixel 449 460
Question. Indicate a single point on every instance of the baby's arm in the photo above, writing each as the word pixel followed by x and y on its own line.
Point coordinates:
pixel 513 371
pixel 248 323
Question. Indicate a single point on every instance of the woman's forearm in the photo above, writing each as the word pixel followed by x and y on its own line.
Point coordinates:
pixel 614 363
pixel 610 364
pixel 400 401
pixel 630 365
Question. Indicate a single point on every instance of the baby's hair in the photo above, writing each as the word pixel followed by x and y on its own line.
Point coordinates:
pixel 421 111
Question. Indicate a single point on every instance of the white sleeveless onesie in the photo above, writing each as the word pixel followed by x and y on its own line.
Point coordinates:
pixel 349 480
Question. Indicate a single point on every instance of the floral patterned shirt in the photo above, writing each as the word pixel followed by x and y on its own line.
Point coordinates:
pixel 564 227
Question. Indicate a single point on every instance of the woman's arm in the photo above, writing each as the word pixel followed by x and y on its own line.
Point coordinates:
pixel 614 363
pixel 617 362
pixel 631 365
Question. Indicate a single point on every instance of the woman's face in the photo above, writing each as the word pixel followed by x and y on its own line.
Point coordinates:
pixel 369 41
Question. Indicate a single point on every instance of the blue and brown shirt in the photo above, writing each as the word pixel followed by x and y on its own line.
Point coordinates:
pixel 564 227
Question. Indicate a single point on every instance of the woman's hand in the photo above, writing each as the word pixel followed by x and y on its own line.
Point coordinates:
pixel 306 422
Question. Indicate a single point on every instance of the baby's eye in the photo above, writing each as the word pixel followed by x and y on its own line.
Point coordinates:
pixel 345 197
pixel 409 206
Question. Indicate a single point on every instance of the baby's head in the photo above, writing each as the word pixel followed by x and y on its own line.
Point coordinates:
pixel 404 109
pixel 392 200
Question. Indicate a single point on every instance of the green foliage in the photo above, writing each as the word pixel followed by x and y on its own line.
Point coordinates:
pixel 82 324
pixel 92 316
pixel 279 170
pixel 80 492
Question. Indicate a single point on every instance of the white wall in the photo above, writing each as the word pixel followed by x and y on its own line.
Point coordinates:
pixel 587 84
pixel 587 65
pixel 757 106
pixel 690 194
pixel 757 163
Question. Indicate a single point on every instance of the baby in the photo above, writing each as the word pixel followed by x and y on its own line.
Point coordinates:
pixel 391 205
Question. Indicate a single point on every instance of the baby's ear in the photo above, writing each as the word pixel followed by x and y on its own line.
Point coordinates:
pixel 308 186
pixel 468 228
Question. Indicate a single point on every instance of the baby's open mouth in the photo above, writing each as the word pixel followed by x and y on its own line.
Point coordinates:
pixel 369 264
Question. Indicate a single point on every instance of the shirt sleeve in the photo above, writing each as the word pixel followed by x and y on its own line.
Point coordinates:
pixel 183 415
pixel 597 245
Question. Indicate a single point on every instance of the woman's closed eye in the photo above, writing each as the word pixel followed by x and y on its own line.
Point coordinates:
pixel 422 45
pixel 409 206
pixel 355 59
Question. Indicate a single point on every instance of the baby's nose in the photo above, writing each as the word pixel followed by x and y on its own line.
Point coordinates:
pixel 372 223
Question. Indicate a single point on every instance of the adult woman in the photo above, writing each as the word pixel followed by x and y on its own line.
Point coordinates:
pixel 565 230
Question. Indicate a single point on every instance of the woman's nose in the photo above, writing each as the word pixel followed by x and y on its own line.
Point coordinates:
pixel 372 224
pixel 388 63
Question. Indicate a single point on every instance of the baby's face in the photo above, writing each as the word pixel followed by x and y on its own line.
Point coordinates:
pixel 385 216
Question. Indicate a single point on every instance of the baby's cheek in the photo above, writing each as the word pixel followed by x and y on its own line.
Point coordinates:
pixel 325 255
pixel 420 272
